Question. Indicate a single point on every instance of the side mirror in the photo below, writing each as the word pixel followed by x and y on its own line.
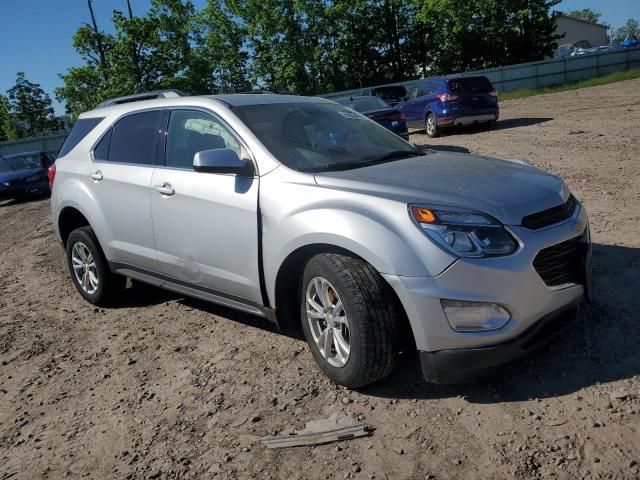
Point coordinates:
pixel 222 160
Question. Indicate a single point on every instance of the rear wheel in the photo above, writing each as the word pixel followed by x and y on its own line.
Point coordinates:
pixel 89 269
pixel 350 319
pixel 431 126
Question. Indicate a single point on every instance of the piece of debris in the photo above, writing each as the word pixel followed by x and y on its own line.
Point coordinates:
pixel 619 395
pixel 292 398
pixel 336 428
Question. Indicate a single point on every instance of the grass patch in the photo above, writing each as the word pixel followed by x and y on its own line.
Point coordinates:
pixel 592 82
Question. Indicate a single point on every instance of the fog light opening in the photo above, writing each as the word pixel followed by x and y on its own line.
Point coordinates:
pixel 475 316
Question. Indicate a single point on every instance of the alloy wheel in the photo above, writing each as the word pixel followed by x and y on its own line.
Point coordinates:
pixel 431 125
pixel 328 321
pixel 84 268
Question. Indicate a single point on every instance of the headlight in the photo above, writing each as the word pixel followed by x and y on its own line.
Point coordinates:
pixel 464 233
pixel 33 178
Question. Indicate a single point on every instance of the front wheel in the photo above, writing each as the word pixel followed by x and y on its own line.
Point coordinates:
pixel 431 126
pixel 350 319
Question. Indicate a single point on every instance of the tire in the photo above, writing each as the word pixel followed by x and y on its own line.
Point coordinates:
pixel 369 323
pixel 83 247
pixel 431 126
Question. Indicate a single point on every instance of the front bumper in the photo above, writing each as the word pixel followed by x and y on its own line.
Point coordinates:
pixel 511 281
pixel 455 366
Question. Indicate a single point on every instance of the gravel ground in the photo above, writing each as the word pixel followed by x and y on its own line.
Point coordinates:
pixel 167 387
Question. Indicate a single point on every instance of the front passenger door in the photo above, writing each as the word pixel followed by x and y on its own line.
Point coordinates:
pixel 205 224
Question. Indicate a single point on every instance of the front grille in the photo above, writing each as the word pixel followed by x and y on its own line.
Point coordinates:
pixel 562 263
pixel 553 215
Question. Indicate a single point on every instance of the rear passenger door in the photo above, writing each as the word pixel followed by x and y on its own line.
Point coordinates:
pixel 119 174
pixel 205 224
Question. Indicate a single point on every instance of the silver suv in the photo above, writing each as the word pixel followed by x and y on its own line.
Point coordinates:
pixel 308 214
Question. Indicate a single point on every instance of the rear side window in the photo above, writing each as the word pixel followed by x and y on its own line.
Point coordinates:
pixel 470 85
pixel 101 152
pixel 132 138
pixel 80 130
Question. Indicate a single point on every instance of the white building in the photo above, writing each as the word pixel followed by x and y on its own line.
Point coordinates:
pixel 580 32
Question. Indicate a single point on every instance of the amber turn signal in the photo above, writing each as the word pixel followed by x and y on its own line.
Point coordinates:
pixel 423 215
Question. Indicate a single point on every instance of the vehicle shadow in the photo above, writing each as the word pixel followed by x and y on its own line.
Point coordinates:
pixel 19 201
pixel 504 124
pixel 598 348
pixel 520 122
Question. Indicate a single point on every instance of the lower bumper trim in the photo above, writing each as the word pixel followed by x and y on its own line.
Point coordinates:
pixel 475 118
pixel 457 366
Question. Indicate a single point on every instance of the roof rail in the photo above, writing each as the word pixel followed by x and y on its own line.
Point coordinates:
pixel 138 97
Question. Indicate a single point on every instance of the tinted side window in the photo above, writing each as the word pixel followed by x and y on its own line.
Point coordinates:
pixel 132 138
pixel 191 132
pixel 80 130
pixel 101 151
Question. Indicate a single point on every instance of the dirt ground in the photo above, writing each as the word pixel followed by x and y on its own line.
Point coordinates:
pixel 167 387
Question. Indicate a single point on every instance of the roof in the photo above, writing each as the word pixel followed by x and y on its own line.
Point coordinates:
pixel 20 154
pixel 231 100
pixel 596 24
pixel 244 99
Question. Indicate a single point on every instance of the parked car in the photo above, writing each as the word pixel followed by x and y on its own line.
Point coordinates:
pixel 24 175
pixel 438 103
pixel 303 212
pixel 379 111
pixel 391 94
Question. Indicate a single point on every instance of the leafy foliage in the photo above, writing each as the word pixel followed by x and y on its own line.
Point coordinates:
pixel 585 14
pixel 631 29
pixel 26 111
pixel 299 46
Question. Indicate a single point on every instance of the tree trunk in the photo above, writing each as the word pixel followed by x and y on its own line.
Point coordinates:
pixel 99 45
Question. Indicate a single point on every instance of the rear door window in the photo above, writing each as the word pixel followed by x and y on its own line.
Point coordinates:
pixel 132 139
pixel 80 130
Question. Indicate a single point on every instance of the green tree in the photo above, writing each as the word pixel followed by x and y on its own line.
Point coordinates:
pixel 488 33
pixel 630 29
pixel 30 109
pixel 586 14
pixel 221 57
pixel 144 53
pixel 7 126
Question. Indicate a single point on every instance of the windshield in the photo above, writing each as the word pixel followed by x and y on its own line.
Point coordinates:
pixel 8 164
pixel 364 104
pixel 309 136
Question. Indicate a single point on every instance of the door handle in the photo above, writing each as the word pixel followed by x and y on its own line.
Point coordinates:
pixel 97 176
pixel 164 189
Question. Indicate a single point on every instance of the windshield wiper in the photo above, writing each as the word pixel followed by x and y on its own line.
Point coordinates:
pixel 387 157
pixel 395 155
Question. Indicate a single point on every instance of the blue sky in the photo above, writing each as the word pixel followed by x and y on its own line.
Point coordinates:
pixel 35 35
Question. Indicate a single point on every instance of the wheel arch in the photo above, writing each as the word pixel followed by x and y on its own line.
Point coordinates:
pixel 69 219
pixel 288 289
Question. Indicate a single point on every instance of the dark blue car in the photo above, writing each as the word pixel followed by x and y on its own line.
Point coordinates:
pixel 24 175
pixel 379 111
pixel 441 102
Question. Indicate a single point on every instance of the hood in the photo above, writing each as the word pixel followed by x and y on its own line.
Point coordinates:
pixel 17 175
pixel 505 189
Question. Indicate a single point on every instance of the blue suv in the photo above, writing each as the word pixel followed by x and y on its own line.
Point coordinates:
pixel 441 102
